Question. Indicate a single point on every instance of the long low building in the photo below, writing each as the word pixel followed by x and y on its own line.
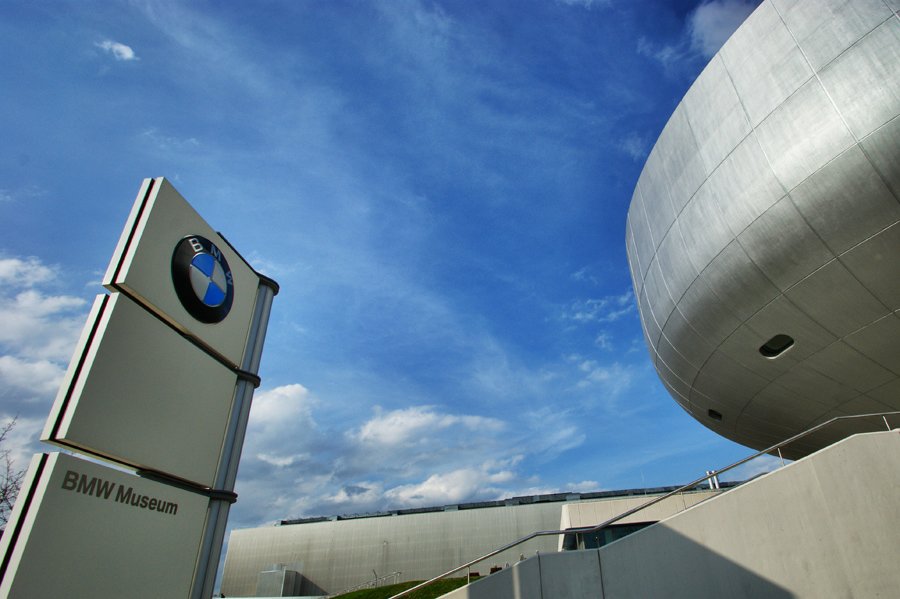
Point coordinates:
pixel 320 556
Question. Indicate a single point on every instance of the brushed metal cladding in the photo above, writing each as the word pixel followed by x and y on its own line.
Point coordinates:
pixel 803 134
pixel 640 229
pixel 784 246
pixel 865 83
pixel 715 115
pixel 874 263
pixel 684 170
pixel 764 62
pixel 851 178
pixel 339 554
pixel 834 297
pixel 820 35
pixel 673 259
pixel 652 183
pixel 770 205
pixel 888 394
pixel 744 185
pixel 883 150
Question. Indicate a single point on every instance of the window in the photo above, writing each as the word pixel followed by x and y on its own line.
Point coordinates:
pixel 604 536
pixel 776 346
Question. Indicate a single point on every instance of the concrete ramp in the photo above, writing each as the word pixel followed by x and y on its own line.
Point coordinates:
pixel 825 526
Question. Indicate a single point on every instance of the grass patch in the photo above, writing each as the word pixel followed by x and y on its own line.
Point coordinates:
pixel 435 589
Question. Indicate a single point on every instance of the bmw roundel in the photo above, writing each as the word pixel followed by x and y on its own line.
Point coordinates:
pixel 202 279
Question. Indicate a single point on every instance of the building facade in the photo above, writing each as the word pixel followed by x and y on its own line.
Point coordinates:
pixel 329 555
pixel 764 232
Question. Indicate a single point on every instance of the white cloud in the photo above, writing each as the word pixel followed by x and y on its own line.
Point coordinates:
pixel 712 23
pixel 668 55
pixel 635 146
pixel 606 382
pixel 615 375
pixel 586 3
pixel 360 496
pixel 283 460
pixel 604 341
pixel 451 487
pixel 168 143
pixel 25 272
pixel 707 27
pixel 38 331
pixel 585 486
pixel 21 194
pixel 118 50
pixel 552 431
pixel 40 326
pixel 417 425
pixel 586 275
pixel 603 310
pixel 40 377
pixel 414 456
pixel 275 417
pixel 275 407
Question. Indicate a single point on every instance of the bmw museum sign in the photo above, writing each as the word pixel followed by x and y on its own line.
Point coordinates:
pixel 160 387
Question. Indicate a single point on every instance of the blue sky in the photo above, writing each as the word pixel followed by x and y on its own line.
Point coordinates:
pixel 440 188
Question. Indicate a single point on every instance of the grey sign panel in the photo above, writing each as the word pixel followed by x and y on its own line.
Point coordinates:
pixel 81 529
pixel 139 393
pixel 173 263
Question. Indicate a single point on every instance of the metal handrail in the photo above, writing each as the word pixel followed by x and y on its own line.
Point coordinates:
pixel 777 447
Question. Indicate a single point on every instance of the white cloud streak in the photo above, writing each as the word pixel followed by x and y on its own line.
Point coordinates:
pixel 635 146
pixel 706 29
pixel 118 50
pixel 25 272
pixel 38 330
pixel 414 456
pixel 603 310
pixel 451 487
pixel 417 424
pixel 36 325
pixel 588 4
pixel 38 377
pixel 168 143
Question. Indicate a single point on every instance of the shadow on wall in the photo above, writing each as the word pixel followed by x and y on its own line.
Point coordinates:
pixel 577 574
pixel 308 587
pixel 697 571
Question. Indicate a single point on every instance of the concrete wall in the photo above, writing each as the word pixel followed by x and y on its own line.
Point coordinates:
pixel 825 526
pixel 336 555
pixel 590 513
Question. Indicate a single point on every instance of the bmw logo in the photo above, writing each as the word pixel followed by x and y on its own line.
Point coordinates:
pixel 202 279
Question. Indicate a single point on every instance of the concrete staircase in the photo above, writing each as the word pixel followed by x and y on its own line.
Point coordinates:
pixel 827 525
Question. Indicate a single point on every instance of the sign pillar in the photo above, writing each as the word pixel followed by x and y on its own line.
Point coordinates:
pixel 161 385
pixel 211 549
